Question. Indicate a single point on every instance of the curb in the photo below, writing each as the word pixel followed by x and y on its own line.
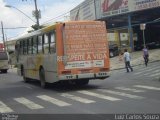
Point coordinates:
pixel 133 65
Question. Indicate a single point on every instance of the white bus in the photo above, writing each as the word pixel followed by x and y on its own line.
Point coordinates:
pixel 74 52
pixel 4 61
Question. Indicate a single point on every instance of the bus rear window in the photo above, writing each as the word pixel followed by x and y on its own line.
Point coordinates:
pixel 3 56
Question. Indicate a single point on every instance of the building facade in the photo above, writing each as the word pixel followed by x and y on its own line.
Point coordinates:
pixel 123 19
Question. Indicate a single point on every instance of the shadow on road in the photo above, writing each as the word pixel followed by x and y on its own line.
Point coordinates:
pixel 63 86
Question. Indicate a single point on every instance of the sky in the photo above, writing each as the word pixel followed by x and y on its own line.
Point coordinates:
pixel 13 19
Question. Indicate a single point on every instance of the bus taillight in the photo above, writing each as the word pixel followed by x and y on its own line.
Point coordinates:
pixel 66 72
pixel 104 69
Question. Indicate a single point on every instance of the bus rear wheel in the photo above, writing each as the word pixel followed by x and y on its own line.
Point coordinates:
pixel 42 78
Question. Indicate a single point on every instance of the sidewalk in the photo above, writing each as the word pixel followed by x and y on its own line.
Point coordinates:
pixel 12 70
pixel 137 59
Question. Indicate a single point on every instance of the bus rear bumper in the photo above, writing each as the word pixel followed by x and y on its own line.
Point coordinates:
pixel 100 75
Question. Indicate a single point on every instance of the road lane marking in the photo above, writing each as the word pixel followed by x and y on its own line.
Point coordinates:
pixel 76 98
pixel 141 70
pixel 4 108
pixel 147 87
pixel 121 94
pixel 28 103
pixel 153 72
pixel 53 100
pixel 129 89
pixel 148 70
pixel 158 77
pixel 154 75
pixel 98 95
pixel 28 87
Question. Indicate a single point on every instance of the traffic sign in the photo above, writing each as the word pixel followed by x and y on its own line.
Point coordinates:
pixel 143 26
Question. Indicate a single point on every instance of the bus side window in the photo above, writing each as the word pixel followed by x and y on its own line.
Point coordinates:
pixel 35 47
pixel 24 47
pixel 52 43
pixel 40 43
pixel 46 43
pixel 21 48
pixel 30 46
pixel 17 46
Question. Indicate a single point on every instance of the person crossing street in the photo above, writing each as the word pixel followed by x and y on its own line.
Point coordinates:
pixel 127 59
pixel 145 55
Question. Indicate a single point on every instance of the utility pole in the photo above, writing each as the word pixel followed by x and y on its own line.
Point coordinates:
pixel 6 42
pixel 36 13
pixel 3 36
pixel 95 10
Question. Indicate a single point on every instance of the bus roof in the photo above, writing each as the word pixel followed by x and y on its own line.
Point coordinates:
pixel 49 28
pixel 38 32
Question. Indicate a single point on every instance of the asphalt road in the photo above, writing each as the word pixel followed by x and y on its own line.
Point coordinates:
pixel 134 92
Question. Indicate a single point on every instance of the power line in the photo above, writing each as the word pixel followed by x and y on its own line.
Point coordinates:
pixel 82 4
pixel 15 28
pixel 62 15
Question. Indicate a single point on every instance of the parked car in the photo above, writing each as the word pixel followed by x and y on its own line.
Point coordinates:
pixel 151 45
pixel 158 44
pixel 4 61
pixel 113 50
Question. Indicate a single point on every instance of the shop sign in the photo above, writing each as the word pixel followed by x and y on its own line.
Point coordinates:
pixel 114 7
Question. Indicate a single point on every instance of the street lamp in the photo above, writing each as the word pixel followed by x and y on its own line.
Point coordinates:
pixel 9 6
pixel 143 27
pixel 37 15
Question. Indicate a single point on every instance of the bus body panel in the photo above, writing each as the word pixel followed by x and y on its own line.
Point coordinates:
pixel 65 64
pixel 32 66
pixel 74 57
pixel 50 67
pixel 33 62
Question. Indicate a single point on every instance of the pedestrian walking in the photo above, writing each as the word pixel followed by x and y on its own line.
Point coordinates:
pixel 145 55
pixel 127 59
